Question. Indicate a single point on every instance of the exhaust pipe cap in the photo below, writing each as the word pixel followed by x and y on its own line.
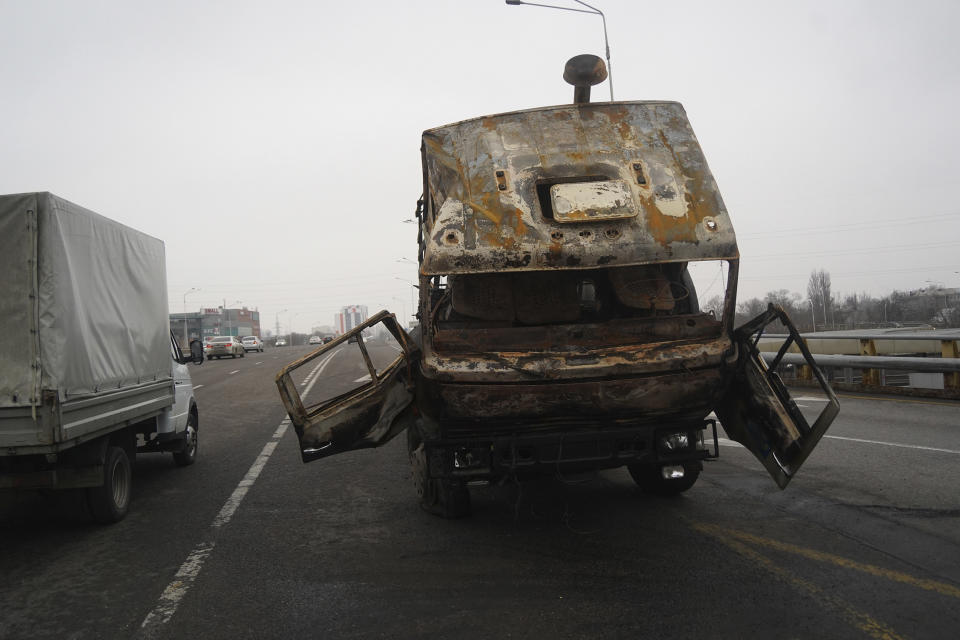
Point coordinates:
pixel 583 72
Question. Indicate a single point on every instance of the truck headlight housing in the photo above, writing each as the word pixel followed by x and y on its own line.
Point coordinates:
pixel 674 441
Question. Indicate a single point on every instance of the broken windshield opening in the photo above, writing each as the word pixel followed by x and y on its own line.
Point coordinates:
pixel 574 297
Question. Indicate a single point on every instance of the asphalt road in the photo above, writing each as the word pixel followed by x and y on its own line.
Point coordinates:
pixel 251 543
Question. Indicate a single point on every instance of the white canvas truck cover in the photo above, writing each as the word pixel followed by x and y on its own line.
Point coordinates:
pixel 83 302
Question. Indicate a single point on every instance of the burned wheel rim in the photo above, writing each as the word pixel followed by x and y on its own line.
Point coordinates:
pixel 418 463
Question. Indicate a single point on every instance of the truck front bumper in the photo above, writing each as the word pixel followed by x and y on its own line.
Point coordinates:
pixel 568 450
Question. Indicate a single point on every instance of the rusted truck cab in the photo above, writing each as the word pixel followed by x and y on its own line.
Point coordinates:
pixel 560 328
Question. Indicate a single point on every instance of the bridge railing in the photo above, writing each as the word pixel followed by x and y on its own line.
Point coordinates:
pixel 876 356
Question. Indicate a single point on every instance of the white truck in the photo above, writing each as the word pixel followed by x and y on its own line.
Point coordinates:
pixel 90 373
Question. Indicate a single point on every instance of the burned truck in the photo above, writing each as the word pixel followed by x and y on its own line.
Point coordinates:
pixel 560 328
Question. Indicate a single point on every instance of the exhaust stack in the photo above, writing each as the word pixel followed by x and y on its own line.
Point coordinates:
pixel 583 72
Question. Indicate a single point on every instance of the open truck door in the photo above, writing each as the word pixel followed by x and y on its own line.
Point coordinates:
pixel 359 387
pixel 758 411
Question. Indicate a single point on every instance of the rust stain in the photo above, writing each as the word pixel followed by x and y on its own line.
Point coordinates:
pixel 512 219
pixel 668 229
pixel 555 249
pixel 490 124
pixel 620 121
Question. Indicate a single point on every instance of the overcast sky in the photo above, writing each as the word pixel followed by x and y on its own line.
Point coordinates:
pixel 274 146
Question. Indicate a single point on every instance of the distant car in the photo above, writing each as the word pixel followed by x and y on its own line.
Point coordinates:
pixel 207 346
pixel 327 339
pixel 226 346
pixel 252 343
pixel 315 340
pixel 281 342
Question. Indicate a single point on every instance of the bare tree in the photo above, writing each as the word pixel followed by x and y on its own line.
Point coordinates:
pixel 749 309
pixel 818 292
pixel 714 304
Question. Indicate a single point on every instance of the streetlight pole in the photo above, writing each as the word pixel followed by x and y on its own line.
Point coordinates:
pixel 293 314
pixel 594 11
pixel 403 305
pixel 278 322
pixel 185 336
pixel 413 303
pixel 226 313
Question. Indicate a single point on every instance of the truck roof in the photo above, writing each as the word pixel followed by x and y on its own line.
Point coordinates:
pixel 641 190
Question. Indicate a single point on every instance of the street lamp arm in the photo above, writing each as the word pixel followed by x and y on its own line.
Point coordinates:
pixel 553 6
pixel 606 44
pixel 588 6
pixel 593 10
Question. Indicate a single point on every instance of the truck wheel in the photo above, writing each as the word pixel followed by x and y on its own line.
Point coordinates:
pixel 110 502
pixel 188 455
pixel 441 497
pixel 649 479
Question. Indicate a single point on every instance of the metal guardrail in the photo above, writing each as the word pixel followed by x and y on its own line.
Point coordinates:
pixel 920 365
pixel 872 362
pixel 877 334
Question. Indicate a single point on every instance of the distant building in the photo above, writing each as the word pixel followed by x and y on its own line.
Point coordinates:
pixel 350 317
pixel 216 321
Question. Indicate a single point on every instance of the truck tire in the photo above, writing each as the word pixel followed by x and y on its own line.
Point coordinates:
pixel 650 480
pixel 188 455
pixel 445 498
pixel 111 501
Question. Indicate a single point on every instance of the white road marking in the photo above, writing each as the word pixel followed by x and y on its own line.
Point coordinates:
pixel 308 381
pixel 730 443
pixel 187 573
pixel 233 372
pixel 261 362
pixel 230 506
pixel 197 386
pixel 895 444
pixel 810 399
pixel 281 429
pixel 365 378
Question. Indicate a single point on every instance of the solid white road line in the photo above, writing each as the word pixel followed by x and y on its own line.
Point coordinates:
pixel 233 372
pixel 895 444
pixel 730 443
pixel 187 573
pixel 197 386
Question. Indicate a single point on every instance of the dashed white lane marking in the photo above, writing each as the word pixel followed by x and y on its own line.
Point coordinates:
pixel 730 443
pixel 197 386
pixel 233 372
pixel 261 362
pixel 187 573
pixel 308 381
pixel 365 378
